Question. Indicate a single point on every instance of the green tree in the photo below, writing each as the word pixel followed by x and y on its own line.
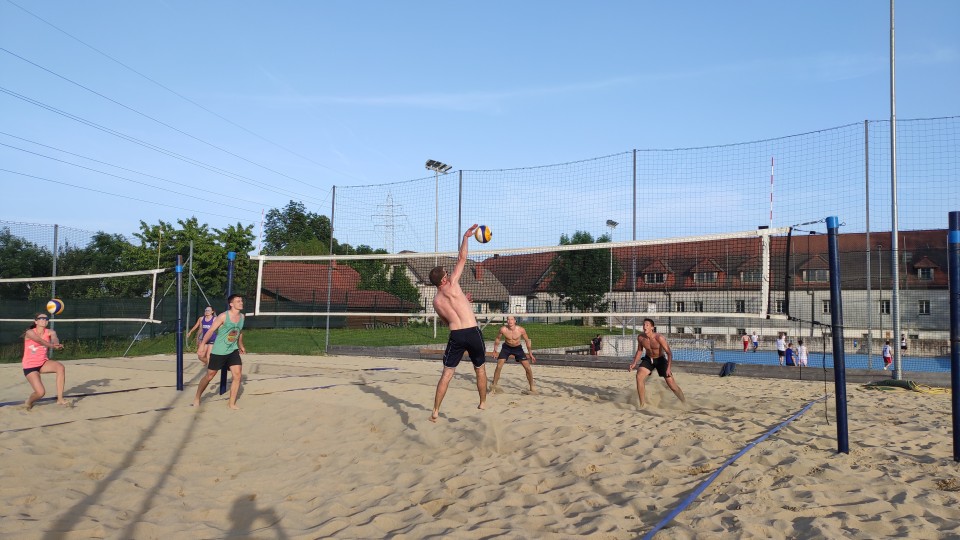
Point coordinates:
pixel 239 239
pixel 295 231
pixel 581 278
pixel 373 272
pixel 104 253
pixel 401 287
pixel 20 258
pixel 210 249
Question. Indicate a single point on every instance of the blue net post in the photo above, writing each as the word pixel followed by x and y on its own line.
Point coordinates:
pixel 231 256
pixel 953 266
pixel 179 322
pixel 836 321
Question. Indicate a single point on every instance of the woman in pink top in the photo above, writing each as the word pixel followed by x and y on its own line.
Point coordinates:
pixel 36 340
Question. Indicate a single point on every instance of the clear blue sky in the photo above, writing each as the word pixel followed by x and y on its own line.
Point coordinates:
pixel 353 92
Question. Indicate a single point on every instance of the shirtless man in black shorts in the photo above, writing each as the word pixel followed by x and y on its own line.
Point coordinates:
pixel 512 334
pixel 658 356
pixel 453 307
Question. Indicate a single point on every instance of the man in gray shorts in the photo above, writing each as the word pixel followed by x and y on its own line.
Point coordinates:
pixel 453 307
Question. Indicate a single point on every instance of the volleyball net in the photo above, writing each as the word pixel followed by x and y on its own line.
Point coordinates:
pixel 92 298
pixel 708 282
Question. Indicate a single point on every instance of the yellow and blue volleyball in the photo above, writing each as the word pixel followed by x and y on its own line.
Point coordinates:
pixel 55 306
pixel 482 234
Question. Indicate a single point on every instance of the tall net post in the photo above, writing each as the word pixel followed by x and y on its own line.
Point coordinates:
pixel 953 240
pixel 179 270
pixel 836 320
pixel 231 257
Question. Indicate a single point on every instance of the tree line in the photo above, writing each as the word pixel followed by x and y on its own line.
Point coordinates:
pixel 291 230
pixel 579 278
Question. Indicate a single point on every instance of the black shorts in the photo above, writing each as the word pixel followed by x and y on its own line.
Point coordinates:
pixel 780 353
pixel 660 364
pixel 220 361
pixel 465 339
pixel 30 370
pixel 517 352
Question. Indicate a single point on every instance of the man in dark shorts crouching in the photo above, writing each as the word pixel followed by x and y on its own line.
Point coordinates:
pixel 453 307
pixel 512 334
pixel 658 356
pixel 226 349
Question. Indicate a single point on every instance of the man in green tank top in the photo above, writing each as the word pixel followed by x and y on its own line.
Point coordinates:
pixel 226 349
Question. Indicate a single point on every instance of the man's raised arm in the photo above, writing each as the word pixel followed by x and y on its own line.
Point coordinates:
pixel 462 255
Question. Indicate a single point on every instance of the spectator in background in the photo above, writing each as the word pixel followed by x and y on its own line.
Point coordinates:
pixel 802 353
pixel 781 347
pixel 746 342
pixel 789 355
pixel 595 345
pixel 887 355
pixel 756 340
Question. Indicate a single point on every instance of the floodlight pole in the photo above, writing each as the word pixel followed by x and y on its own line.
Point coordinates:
pixel 613 225
pixel 894 209
pixel 437 167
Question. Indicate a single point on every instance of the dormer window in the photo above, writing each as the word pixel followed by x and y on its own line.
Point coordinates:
pixel 654 277
pixel 816 276
pixel 925 274
pixel 705 277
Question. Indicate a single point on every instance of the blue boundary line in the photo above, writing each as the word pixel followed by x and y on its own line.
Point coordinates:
pixel 703 485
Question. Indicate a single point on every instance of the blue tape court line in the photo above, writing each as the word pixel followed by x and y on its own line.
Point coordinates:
pixel 703 485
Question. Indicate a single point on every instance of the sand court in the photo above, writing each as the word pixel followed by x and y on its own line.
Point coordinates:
pixel 342 447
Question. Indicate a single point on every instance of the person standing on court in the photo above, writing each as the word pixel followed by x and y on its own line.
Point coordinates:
pixel 657 355
pixel 781 347
pixel 452 306
pixel 226 350
pixel 36 340
pixel 512 334
pixel 903 345
pixel 746 342
pixel 802 353
pixel 756 340
pixel 204 323
pixel 887 354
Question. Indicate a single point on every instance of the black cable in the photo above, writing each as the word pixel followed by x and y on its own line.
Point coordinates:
pixel 88 158
pixel 159 149
pixel 174 92
pixel 117 195
pixel 219 203
pixel 161 122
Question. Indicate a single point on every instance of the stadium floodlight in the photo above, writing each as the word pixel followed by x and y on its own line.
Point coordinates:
pixel 437 167
pixel 613 225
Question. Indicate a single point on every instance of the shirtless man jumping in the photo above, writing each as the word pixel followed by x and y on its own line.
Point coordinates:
pixel 453 307
pixel 512 334
pixel 658 355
